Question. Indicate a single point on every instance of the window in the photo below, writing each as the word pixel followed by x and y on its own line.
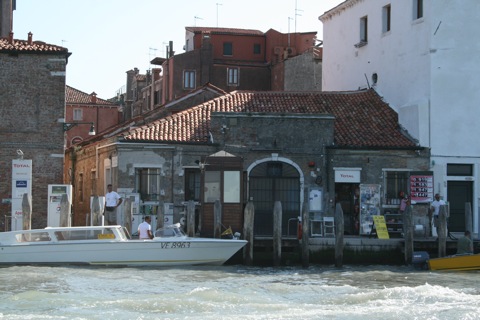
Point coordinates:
pixel 232 74
pixel 459 170
pixel 386 18
pixel 192 185
pixel 231 186
pixel 364 29
pixel 257 49
pixel 227 49
pixel 395 182
pixel 212 186
pixel 147 182
pixel 189 79
pixel 77 114
pixel 417 9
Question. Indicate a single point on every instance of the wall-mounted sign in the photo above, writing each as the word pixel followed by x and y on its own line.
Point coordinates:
pixel 347 175
pixel 421 186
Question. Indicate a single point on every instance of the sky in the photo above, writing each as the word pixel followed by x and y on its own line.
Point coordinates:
pixel 109 37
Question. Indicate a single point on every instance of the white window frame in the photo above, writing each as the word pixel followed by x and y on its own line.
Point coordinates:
pixel 418 8
pixel 386 18
pixel 233 76
pixel 77 114
pixel 189 77
pixel 364 29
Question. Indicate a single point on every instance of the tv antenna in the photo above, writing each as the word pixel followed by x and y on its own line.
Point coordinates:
pixel 195 20
pixel 218 4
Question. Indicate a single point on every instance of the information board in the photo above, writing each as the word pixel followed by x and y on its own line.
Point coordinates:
pixel 421 187
pixel 381 227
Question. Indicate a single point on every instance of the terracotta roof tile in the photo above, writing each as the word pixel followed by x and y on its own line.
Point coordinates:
pixel 362 118
pixel 24 46
pixel 77 97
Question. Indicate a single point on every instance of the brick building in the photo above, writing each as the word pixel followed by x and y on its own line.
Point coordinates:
pixel 249 146
pixel 229 59
pixel 32 107
pixel 86 110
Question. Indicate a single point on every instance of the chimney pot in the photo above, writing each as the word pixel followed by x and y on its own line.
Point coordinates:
pixel 10 37
pixel 30 38
pixel 93 97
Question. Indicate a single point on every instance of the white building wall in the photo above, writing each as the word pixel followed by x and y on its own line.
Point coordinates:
pixel 428 71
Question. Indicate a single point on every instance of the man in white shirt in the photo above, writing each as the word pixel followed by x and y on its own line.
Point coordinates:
pixel 112 201
pixel 145 229
pixel 435 207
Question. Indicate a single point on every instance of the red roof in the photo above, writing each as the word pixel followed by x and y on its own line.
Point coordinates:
pixel 362 118
pixel 77 97
pixel 34 46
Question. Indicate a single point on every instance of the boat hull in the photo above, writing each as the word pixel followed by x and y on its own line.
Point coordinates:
pixel 455 263
pixel 109 246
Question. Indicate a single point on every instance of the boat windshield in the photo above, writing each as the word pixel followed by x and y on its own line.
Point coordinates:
pixel 97 234
pixel 170 231
pixel 32 236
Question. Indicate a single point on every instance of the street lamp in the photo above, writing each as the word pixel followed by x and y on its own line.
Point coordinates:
pixel 69 125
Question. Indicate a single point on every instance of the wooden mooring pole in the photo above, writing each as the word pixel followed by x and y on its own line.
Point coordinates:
pixel 27 211
pixel 277 233
pixel 408 234
pixel 305 229
pixel 442 231
pixel 468 217
pixel 249 216
pixel 339 230
pixel 191 218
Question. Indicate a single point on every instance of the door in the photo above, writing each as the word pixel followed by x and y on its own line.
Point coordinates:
pixel 459 192
pixel 269 182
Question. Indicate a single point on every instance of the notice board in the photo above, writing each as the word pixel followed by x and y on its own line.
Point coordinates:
pixel 381 227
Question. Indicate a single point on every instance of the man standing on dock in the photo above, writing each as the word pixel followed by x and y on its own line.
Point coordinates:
pixel 435 208
pixel 112 201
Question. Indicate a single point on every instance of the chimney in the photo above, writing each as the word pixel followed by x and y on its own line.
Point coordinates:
pixel 30 38
pixel 6 17
pixel 156 73
pixel 171 52
pixel 93 97
pixel 10 37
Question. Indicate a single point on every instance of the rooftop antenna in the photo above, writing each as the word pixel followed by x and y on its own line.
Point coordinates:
pixel 195 20
pixel 63 41
pixel 218 4
pixel 296 14
pixel 289 30
pixel 154 50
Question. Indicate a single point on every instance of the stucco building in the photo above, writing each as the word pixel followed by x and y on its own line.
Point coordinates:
pixel 421 57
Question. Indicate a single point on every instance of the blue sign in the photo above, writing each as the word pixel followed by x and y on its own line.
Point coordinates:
pixel 21 183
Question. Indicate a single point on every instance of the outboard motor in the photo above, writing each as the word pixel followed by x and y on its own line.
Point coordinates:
pixel 420 260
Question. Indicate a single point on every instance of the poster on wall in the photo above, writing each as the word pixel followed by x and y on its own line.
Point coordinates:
pixel 421 187
pixel 369 206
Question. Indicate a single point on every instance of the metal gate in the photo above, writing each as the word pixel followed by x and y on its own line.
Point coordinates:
pixel 274 181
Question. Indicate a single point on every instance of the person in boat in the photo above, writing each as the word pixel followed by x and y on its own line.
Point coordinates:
pixel 145 229
pixel 465 244
pixel 112 201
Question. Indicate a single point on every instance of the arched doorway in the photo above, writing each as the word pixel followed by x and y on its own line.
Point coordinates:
pixel 272 181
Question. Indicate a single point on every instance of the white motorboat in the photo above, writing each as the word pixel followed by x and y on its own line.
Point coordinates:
pixel 110 246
